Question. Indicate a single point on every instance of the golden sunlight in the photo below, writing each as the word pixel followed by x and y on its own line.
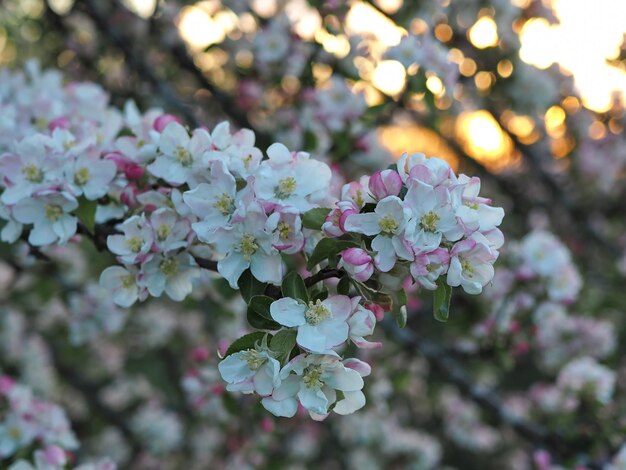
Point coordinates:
pixel 198 28
pixel 483 139
pixel 484 33
pixel 589 34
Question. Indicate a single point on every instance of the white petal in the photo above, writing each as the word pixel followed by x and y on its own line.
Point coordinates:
pixel 288 312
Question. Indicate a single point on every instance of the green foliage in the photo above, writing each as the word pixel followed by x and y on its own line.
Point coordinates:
pixel 314 218
pixel 259 313
pixel 441 301
pixel 282 344
pixel 249 286
pixel 248 341
pixel 326 248
pixel 293 286
pixel 86 213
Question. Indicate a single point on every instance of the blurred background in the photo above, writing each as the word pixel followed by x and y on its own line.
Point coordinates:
pixel 528 95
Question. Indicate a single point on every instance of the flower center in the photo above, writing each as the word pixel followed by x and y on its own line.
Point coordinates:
pixel 183 156
pixel 472 205
pixel 285 188
pixel 312 377
pixel 15 433
pixel 429 221
pixel 467 268
pixel 284 229
pixel 224 204
pixel 134 244
pixel 169 266
pixel 247 160
pixel 32 173
pixel 317 313
pixel 81 177
pixel 253 358
pixel 358 198
pixel 53 212
pixel 248 246
pixel 68 144
pixel 163 231
pixel 128 281
pixel 388 225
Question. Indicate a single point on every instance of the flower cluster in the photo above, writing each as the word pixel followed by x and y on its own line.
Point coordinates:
pixel 311 374
pixel 171 202
pixel 28 421
pixel 422 217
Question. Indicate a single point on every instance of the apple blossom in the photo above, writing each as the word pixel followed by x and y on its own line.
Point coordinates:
pixel 321 326
pixel 357 263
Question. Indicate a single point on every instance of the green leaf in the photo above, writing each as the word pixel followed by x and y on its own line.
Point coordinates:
pixel 441 301
pixel 259 313
pixel 249 286
pixel 248 341
pixel 293 286
pixel 282 344
pixel 400 316
pixel 320 294
pixel 314 218
pixel 343 287
pixel 401 297
pixel 326 248
pixel 86 212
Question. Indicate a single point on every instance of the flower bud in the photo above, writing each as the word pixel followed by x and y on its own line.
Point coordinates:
pixel 163 120
pixel 385 183
pixel 358 263
pixel 200 354
pixel 59 123
pixel 333 226
pixel 54 456
pixel 134 171
pixel 376 309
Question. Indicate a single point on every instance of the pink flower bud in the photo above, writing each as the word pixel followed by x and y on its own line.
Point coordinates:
pixel 120 160
pixel 129 196
pixel 200 354
pixel 59 123
pixel 54 456
pixel 267 425
pixel 134 171
pixel 521 348
pixel 6 384
pixel 358 263
pixel 334 223
pixel 163 120
pixel 542 459
pixel 376 309
pixel 385 183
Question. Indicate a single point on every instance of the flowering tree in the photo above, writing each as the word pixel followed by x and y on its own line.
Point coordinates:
pixel 176 284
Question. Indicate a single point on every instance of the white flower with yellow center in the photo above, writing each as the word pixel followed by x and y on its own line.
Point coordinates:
pixel 181 157
pixel 321 326
pixel 90 175
pixel 388 223
pixel 33 167
pixel 432 217
pixel 214 202
pixel 170 231
pixel 313 380
pixel 49 212
pixel 173 275
pixel 252 370
pixel 290 179
pixel 121 283
pixel 247 243
pixel 136 242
